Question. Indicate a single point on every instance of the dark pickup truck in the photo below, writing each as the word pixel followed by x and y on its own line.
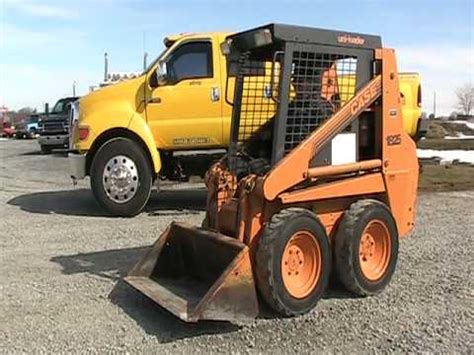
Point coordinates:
pixel 27 128
pixel 53 127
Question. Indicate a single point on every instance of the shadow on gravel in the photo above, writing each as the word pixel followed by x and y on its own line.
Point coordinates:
pixel 58 153
pixel 109 264
pixel 81 202
pixel 32 153
pixel 154 320
pixel 336 290
pixel 172 202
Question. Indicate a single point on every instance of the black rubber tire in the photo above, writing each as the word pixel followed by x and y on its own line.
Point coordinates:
pixel 126 147
pixel 347 243
pixel 271 246
pixel 46 149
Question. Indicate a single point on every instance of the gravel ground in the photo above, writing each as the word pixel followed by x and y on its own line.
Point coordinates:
pixel 62 261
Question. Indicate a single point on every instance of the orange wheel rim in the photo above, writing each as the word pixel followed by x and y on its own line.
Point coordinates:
pixel 374 250
pixel 301 264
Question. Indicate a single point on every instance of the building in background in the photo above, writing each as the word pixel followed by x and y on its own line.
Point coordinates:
pixel 111 78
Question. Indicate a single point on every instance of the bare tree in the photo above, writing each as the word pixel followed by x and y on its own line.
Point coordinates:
pixel 465 95
pixel 27 110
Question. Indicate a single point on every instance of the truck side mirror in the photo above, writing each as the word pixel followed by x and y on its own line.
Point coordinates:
pixel 159 77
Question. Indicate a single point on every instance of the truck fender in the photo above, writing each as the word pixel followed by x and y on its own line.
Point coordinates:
pixel 139 126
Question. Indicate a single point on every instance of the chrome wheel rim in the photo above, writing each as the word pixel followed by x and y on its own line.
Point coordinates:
pixel 120 179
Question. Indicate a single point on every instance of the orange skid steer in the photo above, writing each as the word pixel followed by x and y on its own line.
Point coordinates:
pixel 320 177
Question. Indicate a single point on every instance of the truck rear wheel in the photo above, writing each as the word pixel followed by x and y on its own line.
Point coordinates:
pixel 121 177
pixel 293 261
pixel 366 247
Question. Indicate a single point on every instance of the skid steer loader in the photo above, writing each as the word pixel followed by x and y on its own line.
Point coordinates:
pixel 329 174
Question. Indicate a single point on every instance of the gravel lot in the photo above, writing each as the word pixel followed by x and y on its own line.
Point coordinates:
pixel 62 260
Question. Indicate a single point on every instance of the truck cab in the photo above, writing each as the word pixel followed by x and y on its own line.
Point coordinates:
pixel 170 122
pixel 410 91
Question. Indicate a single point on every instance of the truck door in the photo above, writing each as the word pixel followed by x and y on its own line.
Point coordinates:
pixel 185 112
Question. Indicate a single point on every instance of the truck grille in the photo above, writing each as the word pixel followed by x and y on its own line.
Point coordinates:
pixel 54 127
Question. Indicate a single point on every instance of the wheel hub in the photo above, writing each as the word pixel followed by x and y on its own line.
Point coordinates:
pixel 367 247
pixel 301 264
pixel 294 260
pixel 120 179
pixel 374 250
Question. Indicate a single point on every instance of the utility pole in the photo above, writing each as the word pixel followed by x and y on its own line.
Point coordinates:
pixel 145 56
pixel 106 66
pixel 434 104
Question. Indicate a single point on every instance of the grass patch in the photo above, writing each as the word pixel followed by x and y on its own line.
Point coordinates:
pixel 435 178
pixel 446 144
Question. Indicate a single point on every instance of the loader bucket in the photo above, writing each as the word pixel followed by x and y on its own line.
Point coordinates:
pixel 196 274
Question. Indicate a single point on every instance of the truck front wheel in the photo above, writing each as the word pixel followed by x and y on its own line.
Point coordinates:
pixel 121 177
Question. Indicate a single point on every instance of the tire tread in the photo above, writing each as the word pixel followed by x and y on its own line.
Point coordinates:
pixel 265 256
pixel 344 245
pixel 132 207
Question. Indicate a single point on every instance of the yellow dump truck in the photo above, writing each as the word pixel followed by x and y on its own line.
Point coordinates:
pixel 172 121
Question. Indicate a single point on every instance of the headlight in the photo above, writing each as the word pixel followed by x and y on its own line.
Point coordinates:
pixel 12 127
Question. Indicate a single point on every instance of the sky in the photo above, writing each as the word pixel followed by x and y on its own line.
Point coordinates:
pixel 45 46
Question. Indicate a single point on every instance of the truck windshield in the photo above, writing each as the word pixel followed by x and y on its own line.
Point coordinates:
pixel 59 107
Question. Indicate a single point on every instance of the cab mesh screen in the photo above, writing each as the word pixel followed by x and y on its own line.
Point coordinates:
pixel 320 85
pixel 258 107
